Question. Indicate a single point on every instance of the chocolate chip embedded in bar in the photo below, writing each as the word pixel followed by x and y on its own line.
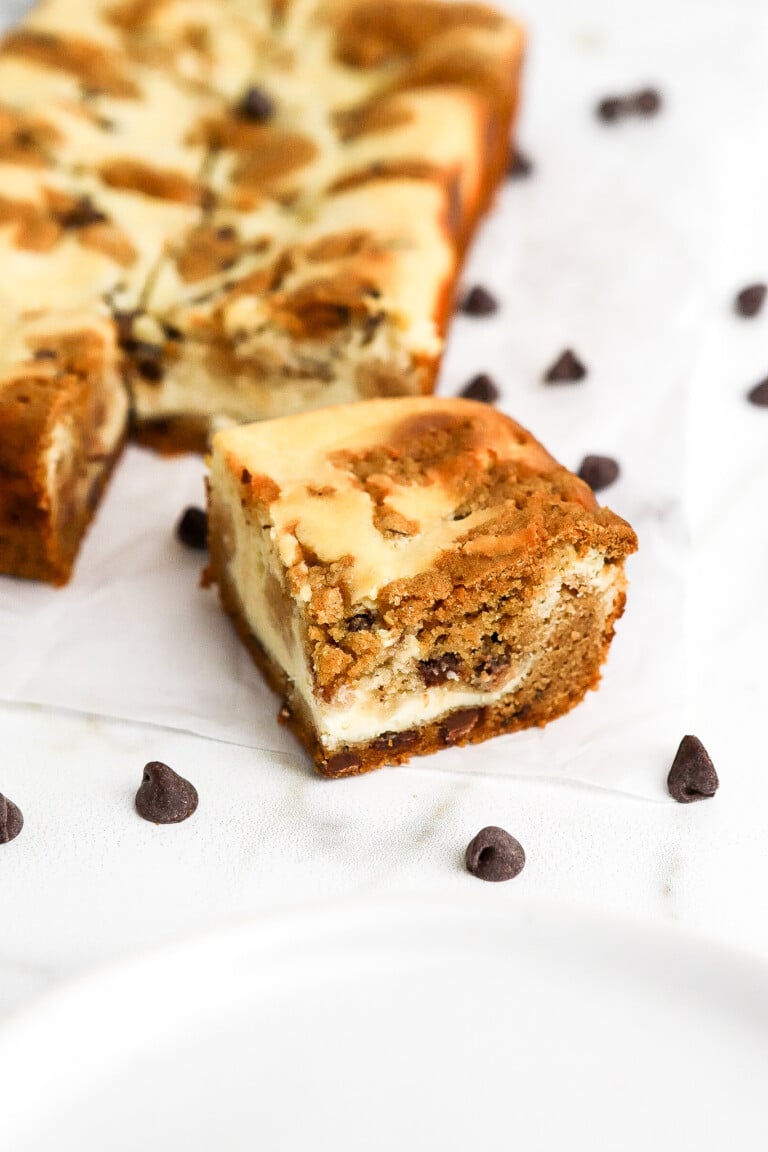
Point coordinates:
pixel 256 105
pixel 397 569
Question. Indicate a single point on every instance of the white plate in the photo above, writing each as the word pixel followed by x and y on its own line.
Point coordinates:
pixel 438 1027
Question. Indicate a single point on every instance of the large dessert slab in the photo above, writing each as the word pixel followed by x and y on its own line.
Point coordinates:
pixel 269 202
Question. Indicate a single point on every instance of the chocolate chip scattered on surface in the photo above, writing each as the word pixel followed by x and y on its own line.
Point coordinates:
pixel 479 302
pixel 750 300
pixel 11 820
pixel 192 528
pixel 692 775
pixel 520 165
pixel 256 105
pixel 567 369
pixel 646 102
pixel 481 387
pixel 164 797
pixel 759 394
pixel 495 855
pixel 599 471
pixel 610 109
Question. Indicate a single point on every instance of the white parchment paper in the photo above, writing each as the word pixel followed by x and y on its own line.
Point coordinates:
pixel 608 248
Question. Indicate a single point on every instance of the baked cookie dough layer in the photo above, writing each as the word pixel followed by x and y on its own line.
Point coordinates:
pixel 269 201
pixel 411 574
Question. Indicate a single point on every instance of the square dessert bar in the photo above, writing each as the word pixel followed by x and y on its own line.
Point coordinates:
pixel 412 573
pixel 63 413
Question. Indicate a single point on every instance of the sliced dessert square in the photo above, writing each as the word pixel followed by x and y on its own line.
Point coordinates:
pixel 412 573
pixel 63 417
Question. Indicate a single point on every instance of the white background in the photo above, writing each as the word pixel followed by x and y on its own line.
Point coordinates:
pixel 628 243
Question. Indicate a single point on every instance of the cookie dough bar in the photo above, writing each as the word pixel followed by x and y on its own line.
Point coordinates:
pixel 411 574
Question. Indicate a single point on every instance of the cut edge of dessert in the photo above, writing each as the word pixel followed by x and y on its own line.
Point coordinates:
pixel 412 574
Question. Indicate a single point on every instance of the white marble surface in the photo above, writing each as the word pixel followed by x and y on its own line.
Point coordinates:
pixel 629 244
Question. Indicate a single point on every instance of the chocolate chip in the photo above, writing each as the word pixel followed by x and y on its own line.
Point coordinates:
pixel 751 299
pixel 492 668
pixel 11 820
pixel 692 775
pixel 148 359
pixel 342 764
pixel 459 724
pixel 646 102
pixel 567 369
pixel 520 165
pixel 124 325
pixel 495 855
pixel 192 528
pixel 396 741
pixel 171 332
pixel 44 354
pixel 256 105
pixel 226 232
pixel 610 109
pixel 361 622
pixel 599 471
pixel 81 214
pixel 759 394
pixel 245 476
pixel 479 302
pixel 440 669
pixel 164 797
pixel 482 388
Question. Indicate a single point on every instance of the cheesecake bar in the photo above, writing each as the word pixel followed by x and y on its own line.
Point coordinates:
pixel 343 189
pixel 63 415
pixel 411 573
pixel 268 200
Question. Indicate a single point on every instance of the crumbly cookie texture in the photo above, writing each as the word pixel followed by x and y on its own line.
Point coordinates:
pixel 268 201
pixel 411 574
